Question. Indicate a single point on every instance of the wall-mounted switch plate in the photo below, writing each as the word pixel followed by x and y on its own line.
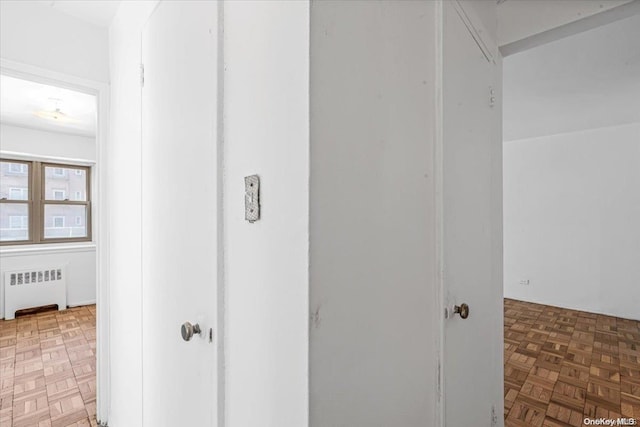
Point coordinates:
pixel 252 198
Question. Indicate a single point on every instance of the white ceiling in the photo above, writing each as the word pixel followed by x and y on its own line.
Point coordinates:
pixel 519 19
pixel 29 104
pixel 97 12
pixel 585 81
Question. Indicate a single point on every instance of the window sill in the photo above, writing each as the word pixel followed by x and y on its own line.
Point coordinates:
pixel 51 248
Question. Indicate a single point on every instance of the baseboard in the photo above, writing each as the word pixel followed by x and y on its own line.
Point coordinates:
pixel 572 307
pixel 81 303
pixel 75 304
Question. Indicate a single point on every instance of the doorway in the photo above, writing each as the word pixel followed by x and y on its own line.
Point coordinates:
pixel 571 203
pixel 54 253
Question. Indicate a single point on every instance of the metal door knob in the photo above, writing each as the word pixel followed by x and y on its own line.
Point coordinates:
pixel 188 330
pixel 462 310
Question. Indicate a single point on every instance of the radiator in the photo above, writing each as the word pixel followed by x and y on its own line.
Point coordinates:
pixel 34 287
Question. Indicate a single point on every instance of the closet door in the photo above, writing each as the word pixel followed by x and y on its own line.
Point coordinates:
pixel 180 215
pixel 472 223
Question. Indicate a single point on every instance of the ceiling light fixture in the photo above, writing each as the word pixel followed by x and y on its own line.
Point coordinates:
pixel 55 114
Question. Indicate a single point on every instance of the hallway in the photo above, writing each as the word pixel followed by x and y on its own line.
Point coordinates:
pixel 564 365
pixel 319 213
pixel 47 362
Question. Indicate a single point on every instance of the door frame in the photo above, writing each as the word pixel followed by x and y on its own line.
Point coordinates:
pixel 489 47
pixel 495 53
pixel 100 211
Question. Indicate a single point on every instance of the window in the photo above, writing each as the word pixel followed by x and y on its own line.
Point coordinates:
pixel 18 222
pixel 14 202
pixel 34 207
pixel 18 193
pixel 18 168
pixel 58 221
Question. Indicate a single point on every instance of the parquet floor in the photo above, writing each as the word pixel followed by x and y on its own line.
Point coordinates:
pixel 47 362
pixel 562 366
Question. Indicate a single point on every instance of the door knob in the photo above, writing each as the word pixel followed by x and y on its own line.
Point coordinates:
pixel 188 330
pixel 462 310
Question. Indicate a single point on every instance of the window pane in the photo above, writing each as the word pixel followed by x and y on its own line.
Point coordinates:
pixel 59 194
pixel 62 221
pixel 14 222
pixel 14 181
pixel 65 183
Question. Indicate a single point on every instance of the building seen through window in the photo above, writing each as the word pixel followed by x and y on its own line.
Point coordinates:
pixel 42 203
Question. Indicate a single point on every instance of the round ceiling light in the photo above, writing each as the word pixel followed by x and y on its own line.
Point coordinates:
pixel 55 114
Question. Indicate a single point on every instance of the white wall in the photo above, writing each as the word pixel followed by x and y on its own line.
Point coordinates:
pixel 372 204
pixel 266 132
pixel 81 270
pixel 565 91
pixel 81 262
pixel 571 220
pixel 39 35
pixel 124 150
pixel 42 143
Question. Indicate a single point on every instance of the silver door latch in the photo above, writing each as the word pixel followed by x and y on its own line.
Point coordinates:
pixel 252 198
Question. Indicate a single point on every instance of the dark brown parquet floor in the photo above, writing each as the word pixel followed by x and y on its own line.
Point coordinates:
pixel 562 366
pixel 48 364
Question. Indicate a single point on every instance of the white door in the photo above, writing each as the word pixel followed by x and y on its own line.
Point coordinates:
pixel 472 233
pixel 180 214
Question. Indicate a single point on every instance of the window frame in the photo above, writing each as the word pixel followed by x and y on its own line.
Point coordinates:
pixel 36 203
pixel 29 202
pixel 66 202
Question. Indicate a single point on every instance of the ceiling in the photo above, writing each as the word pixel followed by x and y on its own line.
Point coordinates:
pixel 519 19
pixel 29 104
pixel 586 81
pixel 97 12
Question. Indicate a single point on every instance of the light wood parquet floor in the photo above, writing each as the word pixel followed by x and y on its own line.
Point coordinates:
pixel 562 366
pixel 48 364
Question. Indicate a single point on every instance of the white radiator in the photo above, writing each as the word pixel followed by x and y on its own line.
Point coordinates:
pixel 34 287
